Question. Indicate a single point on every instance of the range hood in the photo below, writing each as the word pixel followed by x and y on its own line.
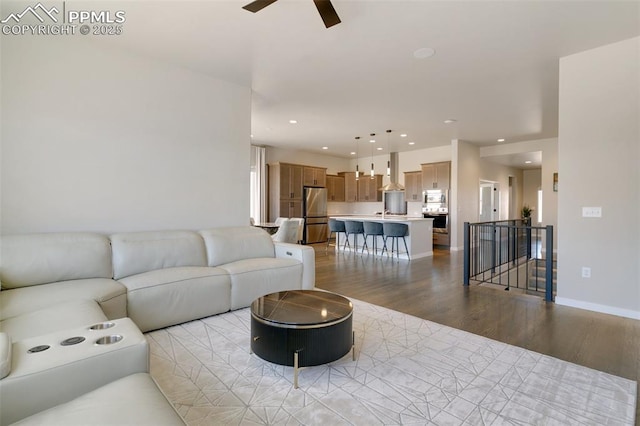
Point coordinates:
pixel 393 166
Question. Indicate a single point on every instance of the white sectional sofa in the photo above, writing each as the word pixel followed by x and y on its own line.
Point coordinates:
pixel 55 285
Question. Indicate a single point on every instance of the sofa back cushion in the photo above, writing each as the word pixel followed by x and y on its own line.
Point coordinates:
pixel 138 252
pixel 226 245
pixel 45 258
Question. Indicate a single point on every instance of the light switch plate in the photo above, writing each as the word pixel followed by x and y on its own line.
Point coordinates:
pixel 592 212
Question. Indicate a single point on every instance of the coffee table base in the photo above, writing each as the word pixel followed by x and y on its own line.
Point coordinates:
pixel 302 346
pixel 296 367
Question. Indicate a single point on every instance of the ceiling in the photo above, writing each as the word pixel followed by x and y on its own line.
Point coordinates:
pixel 495 68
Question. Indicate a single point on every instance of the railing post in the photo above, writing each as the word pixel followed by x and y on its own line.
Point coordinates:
pixel 548 295
pixel 514 241
pixel 467 254
pixel 527 224
pixel 493 248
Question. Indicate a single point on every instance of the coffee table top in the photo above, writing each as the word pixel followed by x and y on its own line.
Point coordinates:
pixel 301 307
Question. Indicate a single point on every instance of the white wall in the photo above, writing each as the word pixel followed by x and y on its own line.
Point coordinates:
pixel 101 140
pixel 465 187
pixel 531 183
pixel 332 163
pixel 410 161
pixel 500 174
pixel 599 158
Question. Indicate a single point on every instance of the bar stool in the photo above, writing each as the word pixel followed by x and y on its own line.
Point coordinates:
pixel 335 227
pixel 374 229
pixel 356 228
pixel 395 231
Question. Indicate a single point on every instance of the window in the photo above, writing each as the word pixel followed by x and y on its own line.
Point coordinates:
pixel 539 205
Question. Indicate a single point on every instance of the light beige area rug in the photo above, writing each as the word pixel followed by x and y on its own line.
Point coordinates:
pixel 407 371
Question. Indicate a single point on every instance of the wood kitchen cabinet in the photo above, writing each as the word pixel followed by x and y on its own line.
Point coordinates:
pixel 350 186
pixel 315 176
pixel 290 178
pixel 413 186
pixel 335 188
pixel 436 175
pixel 289 208
pixel 368 188
pixel 285 190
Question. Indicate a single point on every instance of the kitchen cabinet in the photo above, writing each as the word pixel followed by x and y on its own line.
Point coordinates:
pixel 436 175
pixel 290 177
pixel 440 239
pixel 315 176
pixel 413 186
pixel 368 188
pixel 335 188
pixel 289 208
pixel 285 190
pixel 350 186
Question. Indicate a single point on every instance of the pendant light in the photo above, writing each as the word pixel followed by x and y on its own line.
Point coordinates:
pixel 357 169
pixel 388 150
pixel 372 141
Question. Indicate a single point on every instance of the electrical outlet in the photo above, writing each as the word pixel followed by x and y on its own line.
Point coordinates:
pixel 592 212
pixel 586 272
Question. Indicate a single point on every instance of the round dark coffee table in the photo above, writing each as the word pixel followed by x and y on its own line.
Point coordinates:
pixel 301 328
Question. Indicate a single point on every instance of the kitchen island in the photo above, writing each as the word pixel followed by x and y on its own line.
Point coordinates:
pixel 419 239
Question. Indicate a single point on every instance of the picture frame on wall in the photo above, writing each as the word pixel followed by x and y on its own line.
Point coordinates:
pixel 555 182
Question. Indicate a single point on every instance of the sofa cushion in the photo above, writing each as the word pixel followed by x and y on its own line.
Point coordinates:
pixel 132 400
pixel 110 294
pixel 138 252
pixel 45 258
pixel 252 278
pixel 61 316
pixel 171 296
pixel 225 245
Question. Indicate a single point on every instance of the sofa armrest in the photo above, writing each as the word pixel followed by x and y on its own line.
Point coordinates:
pixel 5 355
pixel 304 254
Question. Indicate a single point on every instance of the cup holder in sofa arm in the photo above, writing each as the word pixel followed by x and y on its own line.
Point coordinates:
pixel 5 355
pixel 102 325
pixel 108 340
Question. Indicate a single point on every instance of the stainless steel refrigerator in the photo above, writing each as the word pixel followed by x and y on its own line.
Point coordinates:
pixel 315 215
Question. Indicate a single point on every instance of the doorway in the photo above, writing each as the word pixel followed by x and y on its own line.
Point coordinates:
pixel 489 201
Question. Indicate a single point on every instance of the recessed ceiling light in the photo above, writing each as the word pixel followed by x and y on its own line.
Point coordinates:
pixel 403 135
pixel 325 147
pixel 293 121
pixel 449 121
pixel 412 143
pixel 372 140
pixel 424 52
pixel 501 140
pixel 379 148
pixel 353 153
pixel 527 162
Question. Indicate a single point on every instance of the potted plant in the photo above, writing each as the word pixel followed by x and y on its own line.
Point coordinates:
pixel 526 213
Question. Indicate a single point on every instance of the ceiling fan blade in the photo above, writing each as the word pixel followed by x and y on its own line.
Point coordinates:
pixel 327 12
pixel 257 5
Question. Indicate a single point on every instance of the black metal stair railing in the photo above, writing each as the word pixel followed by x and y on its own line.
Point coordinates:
pixel 510 253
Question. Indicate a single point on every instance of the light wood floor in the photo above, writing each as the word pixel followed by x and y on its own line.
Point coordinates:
pixel 431 288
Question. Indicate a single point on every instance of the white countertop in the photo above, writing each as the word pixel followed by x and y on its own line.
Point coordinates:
pixel 379 218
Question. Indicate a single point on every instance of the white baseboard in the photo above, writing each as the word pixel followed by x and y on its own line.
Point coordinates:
pixel 596 307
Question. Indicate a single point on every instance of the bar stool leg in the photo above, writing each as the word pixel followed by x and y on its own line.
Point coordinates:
pixel 406 248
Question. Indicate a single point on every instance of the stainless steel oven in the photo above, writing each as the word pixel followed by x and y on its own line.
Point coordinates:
pixel 440 222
